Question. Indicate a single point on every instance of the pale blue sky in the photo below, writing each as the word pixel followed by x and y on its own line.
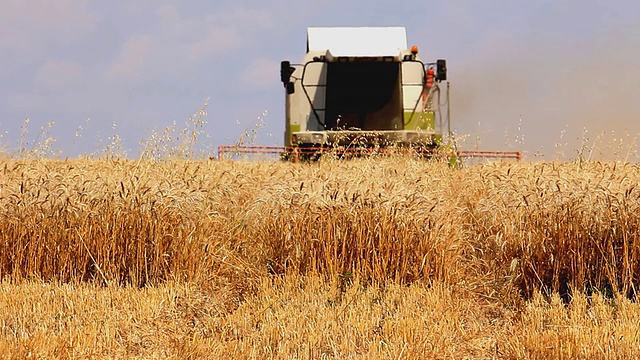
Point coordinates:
pixel 545 67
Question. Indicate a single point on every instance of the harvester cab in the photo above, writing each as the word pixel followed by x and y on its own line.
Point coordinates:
pixel 362 87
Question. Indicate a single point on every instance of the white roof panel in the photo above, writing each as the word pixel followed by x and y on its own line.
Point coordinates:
pixel 357 41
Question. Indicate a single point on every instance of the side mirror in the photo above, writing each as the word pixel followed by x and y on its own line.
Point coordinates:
pixel 290 88
pixel 285 71
pixel 441 70
pixel 285 76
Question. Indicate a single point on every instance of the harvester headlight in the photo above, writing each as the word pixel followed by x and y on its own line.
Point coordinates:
pixel 318 138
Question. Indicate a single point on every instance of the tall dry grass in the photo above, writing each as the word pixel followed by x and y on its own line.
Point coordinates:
pixel 560 227
pixel 548 226
pixel 335 258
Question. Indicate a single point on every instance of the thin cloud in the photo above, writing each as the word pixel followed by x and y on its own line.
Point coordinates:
pixel 56 74
pixel 215 34
pixel 218 40
pixel 261 74
pixel 32 25
pixel 134 54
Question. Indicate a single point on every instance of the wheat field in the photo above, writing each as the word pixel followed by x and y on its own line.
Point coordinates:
pixel 369 258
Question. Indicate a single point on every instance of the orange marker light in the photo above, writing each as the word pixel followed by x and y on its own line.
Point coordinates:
pixel 414 50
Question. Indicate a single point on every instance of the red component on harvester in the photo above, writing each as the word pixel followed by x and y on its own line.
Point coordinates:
pixel 431 75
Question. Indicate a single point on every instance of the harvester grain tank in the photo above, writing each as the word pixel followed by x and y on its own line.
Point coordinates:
pixel 363 87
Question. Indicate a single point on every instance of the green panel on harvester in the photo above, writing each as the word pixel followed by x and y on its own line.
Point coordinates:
pixel 423 120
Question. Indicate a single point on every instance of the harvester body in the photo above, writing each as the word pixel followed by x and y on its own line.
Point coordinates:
pixel 363 87
pixel 362 90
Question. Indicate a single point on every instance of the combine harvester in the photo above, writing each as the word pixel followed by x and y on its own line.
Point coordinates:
pixel 362 91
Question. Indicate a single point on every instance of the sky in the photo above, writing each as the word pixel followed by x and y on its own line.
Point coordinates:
pixel 543 76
